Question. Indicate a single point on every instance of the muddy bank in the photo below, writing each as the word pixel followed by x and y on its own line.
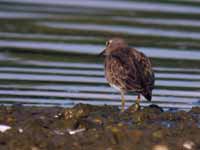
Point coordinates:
pixel 86 127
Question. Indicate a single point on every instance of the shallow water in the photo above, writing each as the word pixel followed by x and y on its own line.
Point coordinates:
pixel 48 53
pixel 160 21
pixel 120 5
pixel 96 49
pixel 124 30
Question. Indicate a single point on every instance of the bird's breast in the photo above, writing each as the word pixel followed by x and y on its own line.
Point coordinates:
pixel 115 87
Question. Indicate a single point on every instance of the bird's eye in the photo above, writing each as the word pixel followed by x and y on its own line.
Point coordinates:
pixel 107 43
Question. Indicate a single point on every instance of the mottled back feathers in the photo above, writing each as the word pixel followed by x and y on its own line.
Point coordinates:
pixel 130 70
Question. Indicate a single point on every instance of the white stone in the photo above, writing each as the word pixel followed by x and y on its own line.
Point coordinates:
pixel 4 128
pixel 188 145
pixel 20 130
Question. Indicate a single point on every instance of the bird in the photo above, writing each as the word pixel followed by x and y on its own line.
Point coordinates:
pixel 128 70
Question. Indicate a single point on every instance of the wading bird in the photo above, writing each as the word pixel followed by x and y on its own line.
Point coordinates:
pixel 128 70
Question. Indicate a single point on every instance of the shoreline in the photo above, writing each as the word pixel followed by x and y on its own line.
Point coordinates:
pixel 88 127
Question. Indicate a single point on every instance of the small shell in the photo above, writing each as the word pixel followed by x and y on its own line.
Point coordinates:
pixel 76 131
pixel 4 128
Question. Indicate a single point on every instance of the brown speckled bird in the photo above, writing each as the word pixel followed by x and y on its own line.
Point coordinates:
pixel 128 70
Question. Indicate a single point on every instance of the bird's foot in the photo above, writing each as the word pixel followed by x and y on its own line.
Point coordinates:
pixel 122 110
pixel 137 106
pixel 134 108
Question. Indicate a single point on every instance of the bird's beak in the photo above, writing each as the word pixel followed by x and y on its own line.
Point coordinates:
pixel 103 53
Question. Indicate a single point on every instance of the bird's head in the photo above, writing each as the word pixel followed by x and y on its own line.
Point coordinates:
pixel 112 45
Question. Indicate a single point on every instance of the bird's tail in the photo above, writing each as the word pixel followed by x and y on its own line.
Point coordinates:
pixel 147 95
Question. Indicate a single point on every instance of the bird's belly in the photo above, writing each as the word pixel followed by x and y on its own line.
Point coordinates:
pixel 115 87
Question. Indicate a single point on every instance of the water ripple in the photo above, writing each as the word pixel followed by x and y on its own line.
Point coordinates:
pixel 140 6
pixel 125 29
pixel 96 49
pixel 82 79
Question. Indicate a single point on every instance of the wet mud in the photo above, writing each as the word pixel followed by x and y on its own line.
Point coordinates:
pixel 87 127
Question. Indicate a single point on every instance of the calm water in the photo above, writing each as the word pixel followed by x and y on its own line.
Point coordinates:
pixel 48 50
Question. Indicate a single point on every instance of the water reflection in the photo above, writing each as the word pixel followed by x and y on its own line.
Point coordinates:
pixel 124 29
pixel 48 53
pixel 21 15
pixel 160 21
pixel 144 6
pixel 93 73
pixel 96 49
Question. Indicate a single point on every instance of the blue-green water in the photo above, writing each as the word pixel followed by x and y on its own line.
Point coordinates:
pixel 48 50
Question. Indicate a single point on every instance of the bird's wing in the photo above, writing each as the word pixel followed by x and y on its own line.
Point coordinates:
pixel 144 67
pixel 125 71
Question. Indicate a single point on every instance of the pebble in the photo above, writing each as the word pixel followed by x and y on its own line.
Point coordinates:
pixel 160 147
pixel 188 145
pixel 20 130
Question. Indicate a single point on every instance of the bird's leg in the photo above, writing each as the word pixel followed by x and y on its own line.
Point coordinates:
pixel 123 101
pixel 138 99
pixel 137 103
